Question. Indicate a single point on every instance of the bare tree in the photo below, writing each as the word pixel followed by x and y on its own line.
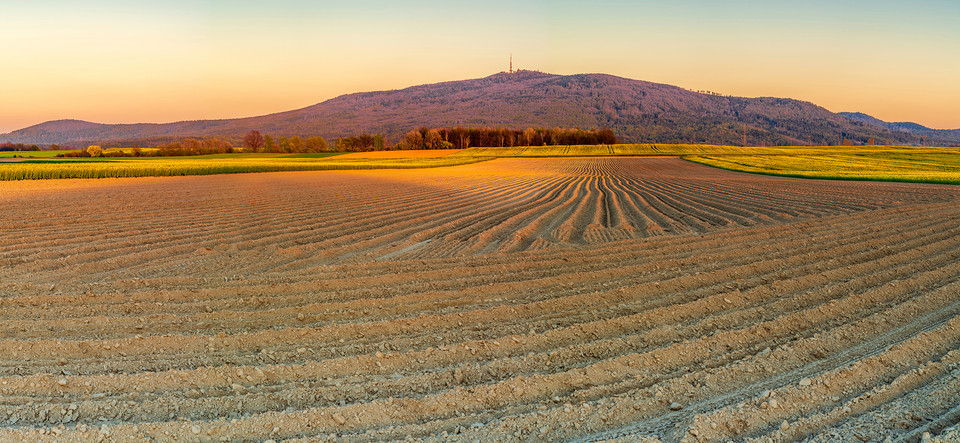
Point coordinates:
pixel 253 140
pixel 413 140
pixel 433 140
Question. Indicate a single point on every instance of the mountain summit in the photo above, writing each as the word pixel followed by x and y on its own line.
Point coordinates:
pixel 637 111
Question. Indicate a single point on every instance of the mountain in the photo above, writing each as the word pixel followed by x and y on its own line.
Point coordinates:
pixel 937 136
pixel 637 111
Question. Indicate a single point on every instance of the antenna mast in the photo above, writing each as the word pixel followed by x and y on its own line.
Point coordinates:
pixel 511 63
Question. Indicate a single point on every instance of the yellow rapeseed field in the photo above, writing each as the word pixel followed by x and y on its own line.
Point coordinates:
pixel 911 167
pixel 169 166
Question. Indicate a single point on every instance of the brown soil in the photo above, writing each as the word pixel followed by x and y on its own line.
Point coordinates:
pixel 520 299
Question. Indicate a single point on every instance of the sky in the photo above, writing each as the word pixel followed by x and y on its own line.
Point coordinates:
pixel 112 61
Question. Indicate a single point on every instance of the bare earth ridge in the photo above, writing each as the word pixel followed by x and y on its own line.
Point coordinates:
pixel 518 299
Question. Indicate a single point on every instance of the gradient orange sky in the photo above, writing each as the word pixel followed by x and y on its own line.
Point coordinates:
pixel 145 61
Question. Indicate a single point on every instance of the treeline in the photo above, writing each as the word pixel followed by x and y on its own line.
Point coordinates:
pixel 254 141
pixel 6 147
pixel 360 143
pixel 423 138
pixel 184 147
pixel 462 138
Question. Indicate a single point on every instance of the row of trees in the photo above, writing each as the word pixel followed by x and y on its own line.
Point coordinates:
pixel 190 146
pixel 359 143
pixel 185 147
pixel 439 138
pixel 254 141
pixel 17 147
pixel 423 138
pixel 462 138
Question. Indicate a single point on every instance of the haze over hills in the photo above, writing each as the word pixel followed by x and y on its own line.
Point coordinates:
pixel 947 135
pixel 637 111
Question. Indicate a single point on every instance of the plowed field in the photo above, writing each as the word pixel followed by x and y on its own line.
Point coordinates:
pixel 516 299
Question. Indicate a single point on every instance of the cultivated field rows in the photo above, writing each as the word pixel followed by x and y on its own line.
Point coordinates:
pixel 523 299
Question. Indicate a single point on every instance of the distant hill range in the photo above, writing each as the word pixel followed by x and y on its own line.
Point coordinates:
pixel 937 136
pixel 637 111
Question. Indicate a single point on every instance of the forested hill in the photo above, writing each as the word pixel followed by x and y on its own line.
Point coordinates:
pixel 936 136
pixel 637 111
